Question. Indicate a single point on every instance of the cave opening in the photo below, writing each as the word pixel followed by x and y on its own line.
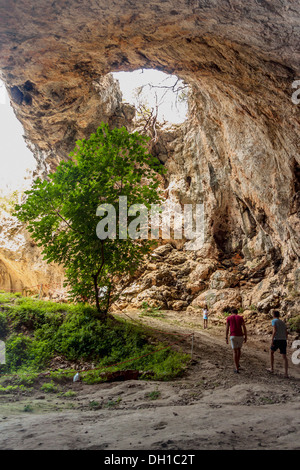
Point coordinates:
pixel 241 132
pixel 157 96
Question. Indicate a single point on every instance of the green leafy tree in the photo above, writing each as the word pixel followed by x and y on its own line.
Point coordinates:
pixel 61 211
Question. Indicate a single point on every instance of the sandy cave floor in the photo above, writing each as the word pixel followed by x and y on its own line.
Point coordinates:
pixel 209 408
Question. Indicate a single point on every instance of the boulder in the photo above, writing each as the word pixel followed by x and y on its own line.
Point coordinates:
pixel 218 300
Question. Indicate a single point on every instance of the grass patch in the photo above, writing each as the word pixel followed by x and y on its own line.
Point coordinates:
pixel 69 394
pixel 49 387
pixel 149 311
pixel 36 331
pixel 8 389
pixel 154 395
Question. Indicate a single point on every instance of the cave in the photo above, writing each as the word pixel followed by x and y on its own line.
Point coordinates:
pixel 239 143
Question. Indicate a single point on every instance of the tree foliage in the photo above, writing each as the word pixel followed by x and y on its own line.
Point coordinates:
pixel 61 211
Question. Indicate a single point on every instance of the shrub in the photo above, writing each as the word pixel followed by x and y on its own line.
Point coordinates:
pixel 17 351
pixel 32 313
pixel 74 332
pixel 295 324
pixel 49 387
pixel 69 394
pixel 6 297
pixel 4 330
pixel 8 389
pixel 28 408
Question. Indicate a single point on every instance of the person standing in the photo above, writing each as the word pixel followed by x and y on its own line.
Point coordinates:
pixel 238 334
pixel 279 341
pixel 205 316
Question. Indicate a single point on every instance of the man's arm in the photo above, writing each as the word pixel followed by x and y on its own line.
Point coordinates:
pixel 244 331
pixel 227 331
pixel 273 334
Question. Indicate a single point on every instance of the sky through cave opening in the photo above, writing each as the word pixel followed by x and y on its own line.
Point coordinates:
pixel 153 91
pixel 17 162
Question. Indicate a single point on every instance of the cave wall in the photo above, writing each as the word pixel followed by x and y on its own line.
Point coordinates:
pixel 239 151
pixel 22 268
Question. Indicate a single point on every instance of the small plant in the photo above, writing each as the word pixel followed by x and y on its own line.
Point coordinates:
pixel 27 377
pixel 28 409
pixel 69 394
pixel 154 395
pixel 49 387
pixel 92 377
pixel 266 400
pixel 94 404
pixel 226 314
pixel 113 403
pixel 145 305
pixel 62 375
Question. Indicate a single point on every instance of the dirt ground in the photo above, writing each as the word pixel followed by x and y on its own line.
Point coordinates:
pixel 209 408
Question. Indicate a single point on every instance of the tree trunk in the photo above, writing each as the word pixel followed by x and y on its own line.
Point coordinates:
pixel 101 313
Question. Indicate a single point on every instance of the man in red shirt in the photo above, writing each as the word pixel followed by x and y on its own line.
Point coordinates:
pixel 238 334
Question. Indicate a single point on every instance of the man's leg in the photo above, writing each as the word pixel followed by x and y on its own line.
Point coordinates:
pixel 239 356
pixel 236 359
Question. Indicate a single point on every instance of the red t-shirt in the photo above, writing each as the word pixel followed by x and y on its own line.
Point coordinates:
pixel 235 324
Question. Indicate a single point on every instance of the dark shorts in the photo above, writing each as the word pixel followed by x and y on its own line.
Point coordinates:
pixel 279 344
